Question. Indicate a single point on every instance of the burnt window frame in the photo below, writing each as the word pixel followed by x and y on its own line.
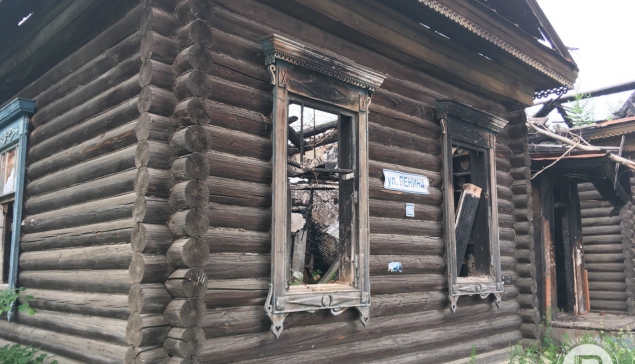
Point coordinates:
pixel 297 70
pixel 474 130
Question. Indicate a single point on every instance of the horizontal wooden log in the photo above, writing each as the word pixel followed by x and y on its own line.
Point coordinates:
pixel 423 264
pixel 181 341
pixel 193 222
pixel 237 266
pixel 238 71
pixel 159 20
pixel 397 210
pixel 113 87
pixel 195 32
pixel 408 283
pixel 111 141
pixel 146 354
pixel 222 240
pixel 155 127
pixel 243 96
pixel 590 240
pixel 191 166
pixel 150 239
pixel 107 100
pixel 191 139
pixel 598 212
pixel 114 208
pixel 155 73
pixel 189 10
pixel 195 57
pixel 186 283
pixel 158 47
pixel 607 276
pixel 193 84
pixel 100 281
pixel 189 194
pixel 608 296
pixel 236 192
pixel 146 329
pixel 403 139
pixel 74 347
pixel 155 100
pixel 188 252
pixel 151 210
pixel 604 267
pixel 608 305
pixel 153 155
pixel 67 76
pixel 408 158
pixel 233 167
pixel 185 312
pixel 387 244
pixel 97 257
pixel 109 186
pixel 236 292
pixel 230 216
pixel 376 191
pixel 603 258
pixel 88 235
pixel 607 286
pixel 598 221
pixel 380 225
pixel 149 268
pixel 89 327
pixel 89 131
pixel 81 303
pixel 603 249
pixel 239 143
pixel 236 118
pixel 153 182
pixel 601 230
pixel 148 298
pixel 194 111
pixel 89 170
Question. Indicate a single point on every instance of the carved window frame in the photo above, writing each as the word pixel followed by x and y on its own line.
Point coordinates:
pixel 295 69
pixel 476 130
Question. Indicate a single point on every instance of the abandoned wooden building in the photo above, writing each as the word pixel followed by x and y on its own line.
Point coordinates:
pixel 267 181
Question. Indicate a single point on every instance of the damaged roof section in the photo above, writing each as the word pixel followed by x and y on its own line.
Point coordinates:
pixel 612 180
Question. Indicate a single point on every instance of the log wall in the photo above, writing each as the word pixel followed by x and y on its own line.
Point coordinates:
pixel 80 200
pixel 608 251
pixel 410 312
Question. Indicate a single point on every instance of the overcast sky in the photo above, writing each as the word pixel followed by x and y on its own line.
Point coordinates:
pixel 603 32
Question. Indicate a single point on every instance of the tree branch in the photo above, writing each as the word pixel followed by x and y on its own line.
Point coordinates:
pixel 617 159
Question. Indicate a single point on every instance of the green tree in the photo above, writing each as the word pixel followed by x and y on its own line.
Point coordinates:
pixel 581 112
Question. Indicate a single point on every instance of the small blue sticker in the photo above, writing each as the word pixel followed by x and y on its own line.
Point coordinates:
pixel 394 267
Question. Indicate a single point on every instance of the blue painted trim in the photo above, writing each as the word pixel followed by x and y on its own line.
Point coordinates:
pixel 14 126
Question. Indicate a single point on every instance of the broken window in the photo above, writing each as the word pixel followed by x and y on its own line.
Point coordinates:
pixel 319 231
pixel 322 175
pixel 470 203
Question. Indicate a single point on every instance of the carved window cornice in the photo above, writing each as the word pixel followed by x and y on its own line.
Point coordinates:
pixel 470 115
pixel 321 61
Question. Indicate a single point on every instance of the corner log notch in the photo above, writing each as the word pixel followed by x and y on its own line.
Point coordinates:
pixel 176 85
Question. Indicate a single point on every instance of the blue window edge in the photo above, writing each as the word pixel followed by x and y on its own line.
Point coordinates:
pixel 14 127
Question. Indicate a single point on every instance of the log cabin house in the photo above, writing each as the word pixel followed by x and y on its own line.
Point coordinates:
pixel 223 181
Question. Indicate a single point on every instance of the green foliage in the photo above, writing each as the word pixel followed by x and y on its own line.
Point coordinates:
pixel 621 344
pixel 581 112
pixel 473 355
pixel 18 354
pixel 8 297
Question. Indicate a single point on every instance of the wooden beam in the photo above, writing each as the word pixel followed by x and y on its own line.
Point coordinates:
pixel 465 215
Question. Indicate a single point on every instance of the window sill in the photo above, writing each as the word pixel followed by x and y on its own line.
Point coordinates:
pixel 321 288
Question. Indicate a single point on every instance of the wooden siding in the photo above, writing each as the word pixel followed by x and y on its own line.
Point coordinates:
pixel 79 200
pixel 409 309
pixel 608 251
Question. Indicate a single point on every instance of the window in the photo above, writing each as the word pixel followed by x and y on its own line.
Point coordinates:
pixel 470 203
pixel 14 122
pixel 320 181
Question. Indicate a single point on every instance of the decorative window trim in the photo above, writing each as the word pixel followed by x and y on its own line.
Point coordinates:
pixel 14 127
pixel 298 70
pixel 482 135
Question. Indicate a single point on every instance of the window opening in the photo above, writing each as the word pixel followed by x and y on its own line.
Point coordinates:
pixel 321 177
pixel 6 226
pixel 469 168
